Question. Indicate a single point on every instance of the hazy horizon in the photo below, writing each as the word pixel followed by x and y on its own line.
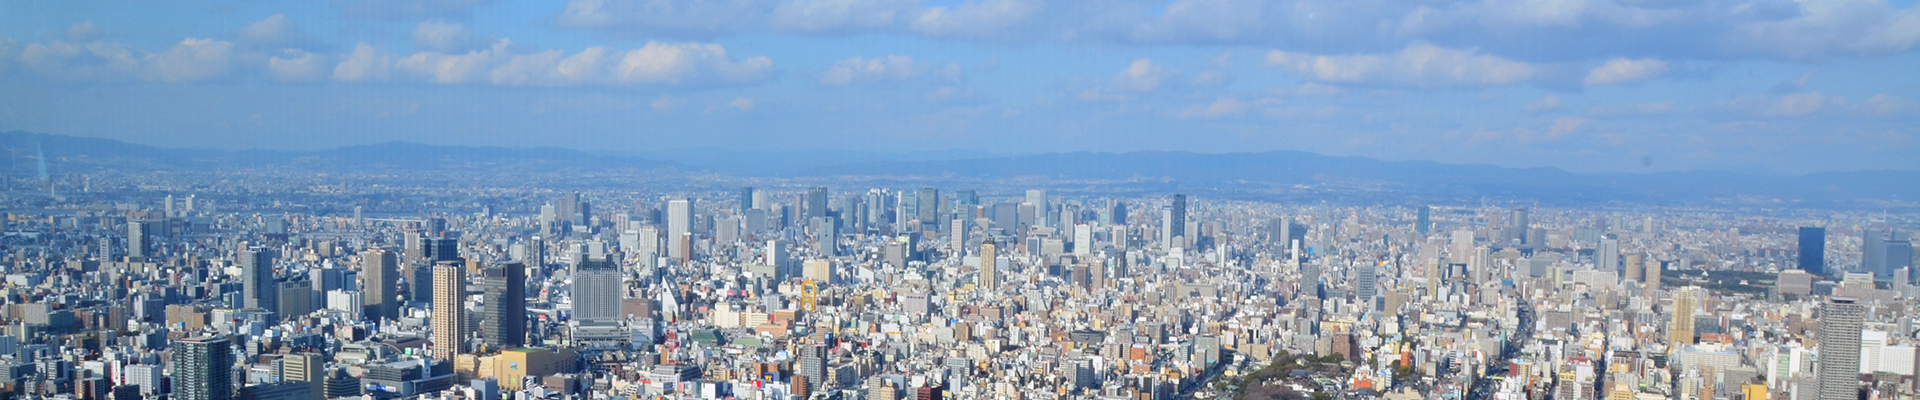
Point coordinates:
pixel 1587 86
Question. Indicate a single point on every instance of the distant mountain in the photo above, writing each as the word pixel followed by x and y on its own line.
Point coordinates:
pixel 71 152
pixel 1278 170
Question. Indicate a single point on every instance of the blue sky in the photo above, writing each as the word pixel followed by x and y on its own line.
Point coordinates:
pixel 1584 85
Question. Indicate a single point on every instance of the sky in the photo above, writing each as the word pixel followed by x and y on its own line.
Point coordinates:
pixel 1584 85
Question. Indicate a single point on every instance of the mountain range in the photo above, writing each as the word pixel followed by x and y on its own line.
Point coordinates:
pixel 1252 174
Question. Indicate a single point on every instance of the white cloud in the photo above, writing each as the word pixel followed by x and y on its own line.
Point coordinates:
pixel 671 16
pixel 275 32
pixel 825 16
pixel 365 64
pixel 95 61
pixel 1564 126
pixel 1884 105
pixel 1623 70
pixel 688 63
pixel 194 59
pixel 446 68
pixel 1788 106
pixel 83 32
pixel 742 103
pixel 862 69
pixel 298 66
pixel 978 19
pixel 445 37
pixel 1225 106
pixel 396 10
pixel 1646 109
pixel 666 102
pixel 1544 104
pixel 1143 76
pixel 1419 65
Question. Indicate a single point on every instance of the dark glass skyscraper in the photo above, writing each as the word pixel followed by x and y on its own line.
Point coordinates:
pixel 504 324
pixel 1813 250
pixel 381 267
pixel 1178 223
pixel 202 369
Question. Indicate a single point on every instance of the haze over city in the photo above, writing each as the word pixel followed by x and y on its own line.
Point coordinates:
pixel 966 200
pixel 1586 86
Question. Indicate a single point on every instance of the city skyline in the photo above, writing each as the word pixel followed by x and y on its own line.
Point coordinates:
pixel 1597 86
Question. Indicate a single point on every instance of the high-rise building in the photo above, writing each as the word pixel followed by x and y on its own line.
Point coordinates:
pixel 1038 198
pixel 1636 267
pixel 202 369
pixel 1680 332
pixel 746 200
pixel 306 367
pixel 928 211
pixel 817 202
pixel 256 280
pixel 1608 257
pixel 1519 225
pixel 382 270
pixel 598 287
pixel 1841 321
pixel 1424 223
pixel 989 273
pixel 1366 283
pixel 1178 221
pixel 139 240
pixel 1873 254
pixel 449 315
pixel 504 325
pixel 679 228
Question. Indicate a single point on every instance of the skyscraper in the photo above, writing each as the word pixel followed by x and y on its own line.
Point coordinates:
pixel 256 280
pixel 449 316
pixel 1680 333
pixel 1179 218
pixel 139 240
pixel 597 290
pixel 1038 198
pixel 505 323
pixel 746 200
pixel 679 228
pixel 381 269
pixel 202 369
pixel 1840 326
pixel 929 209
pixel 817 202
pixel 1424 223
pixel 1608 257
pixel 1813 250
pixel 1519 225
pixel 1366 283
pixel 989 272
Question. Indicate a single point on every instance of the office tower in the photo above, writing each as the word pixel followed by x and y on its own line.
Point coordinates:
pixel 1608 257
pixel 1895 254
pixel 1461 248
pixel 381 268
pixel 966 198
pixel 1873 253
pixel 1519 225
pixel 1680 333
pixel 1179 219
pixel 679 228
pixel 1840 326
pixel 746 200
pixel 1119 213
pixel 139 240
pixel 359 217
pixel 961 228
pixel 202 369
pixel 825 236
pixel 1167 233
pixel 817 202
pixel 1366 283
pixel 305 367
pixel 989 274
pixel 1652 272
pixel 1636 267
pixel 256 280
pixel 1082 240
pixel 929 209
pixel 598 287
pixel 1038 198
pixel 1424 223
pixel 449 315
pixel 505 323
